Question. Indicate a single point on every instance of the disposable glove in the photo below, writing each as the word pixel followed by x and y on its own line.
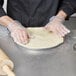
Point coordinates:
pixel 18 32
pixel 56 25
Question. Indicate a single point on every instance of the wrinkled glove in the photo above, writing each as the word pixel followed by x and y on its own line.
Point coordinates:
pixel 18 32
pixel 56 25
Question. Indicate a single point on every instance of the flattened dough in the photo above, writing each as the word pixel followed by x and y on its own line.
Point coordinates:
pixel 40 38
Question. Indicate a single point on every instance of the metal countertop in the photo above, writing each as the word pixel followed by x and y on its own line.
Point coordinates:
pixel 58 61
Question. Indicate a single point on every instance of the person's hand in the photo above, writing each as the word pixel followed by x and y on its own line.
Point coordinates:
pixel 18 32
pixel 56 25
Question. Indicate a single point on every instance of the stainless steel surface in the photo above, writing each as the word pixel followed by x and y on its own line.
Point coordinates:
pixel 71 23
pixel 58 61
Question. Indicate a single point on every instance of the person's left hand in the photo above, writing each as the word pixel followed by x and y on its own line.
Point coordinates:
pixel 56 26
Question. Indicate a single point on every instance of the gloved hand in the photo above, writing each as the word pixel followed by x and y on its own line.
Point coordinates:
pixel 56 25
pixel 18 32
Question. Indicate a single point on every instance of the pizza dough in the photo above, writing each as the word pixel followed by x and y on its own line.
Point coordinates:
pixel 2 73
pixel 40 38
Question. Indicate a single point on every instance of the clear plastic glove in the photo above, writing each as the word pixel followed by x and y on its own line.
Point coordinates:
pixel 56 25
pixel 18 32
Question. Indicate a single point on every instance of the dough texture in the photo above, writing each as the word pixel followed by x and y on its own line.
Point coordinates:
pixel 2 73
pixel 40 38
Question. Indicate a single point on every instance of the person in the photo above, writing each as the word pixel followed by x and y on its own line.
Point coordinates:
pixel 49 14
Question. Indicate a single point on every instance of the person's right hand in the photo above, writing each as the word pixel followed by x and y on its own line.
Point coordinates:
pixel 18 32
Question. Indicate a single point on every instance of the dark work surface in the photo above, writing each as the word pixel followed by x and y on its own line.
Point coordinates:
pixel 58 61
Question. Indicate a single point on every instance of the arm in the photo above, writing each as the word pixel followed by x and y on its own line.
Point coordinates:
pixel 62 14
pixel 17 31
pixel 4 19
pixel 56 24
pixel 68 6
